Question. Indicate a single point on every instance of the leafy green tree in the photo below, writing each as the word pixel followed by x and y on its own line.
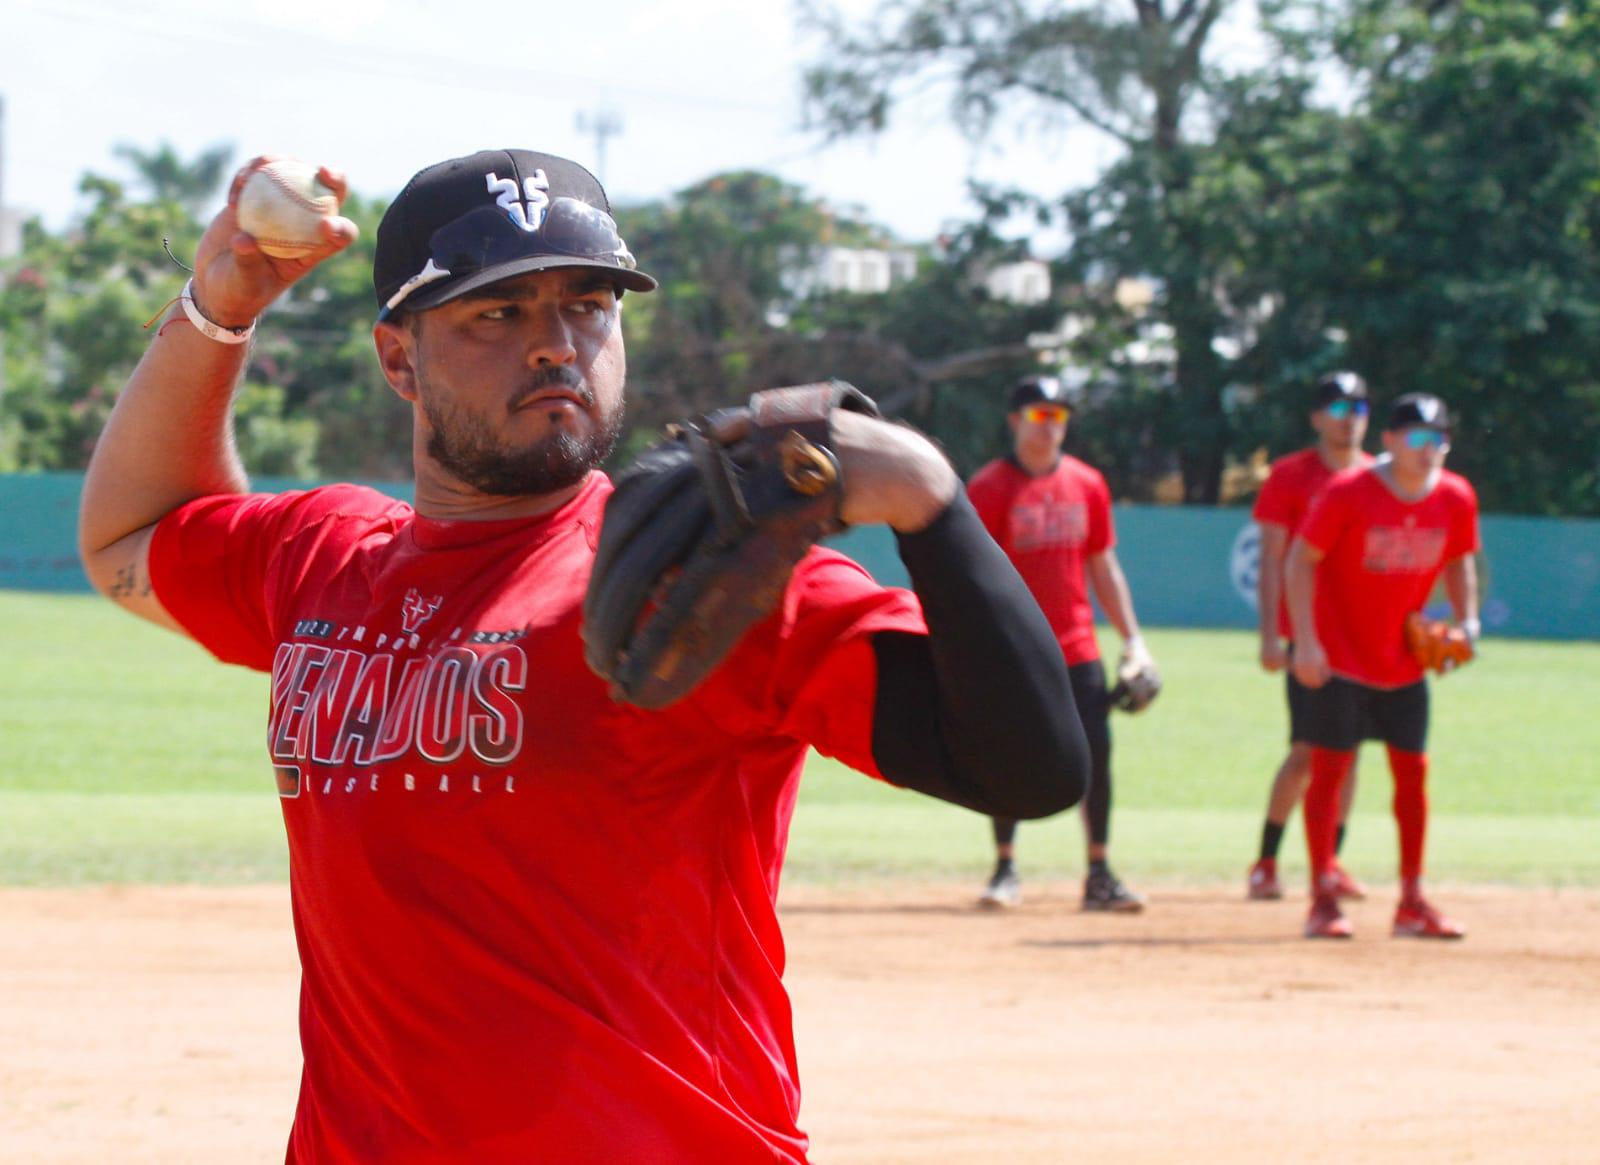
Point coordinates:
pixel 1135 72
pixel 1462 251
pixel 75 308
pixel 315 344
pixel 742 306
pixel 939 349
pixel 722 250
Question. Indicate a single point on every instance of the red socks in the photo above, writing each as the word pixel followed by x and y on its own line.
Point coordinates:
pixel 1329 770
pixel 1410 771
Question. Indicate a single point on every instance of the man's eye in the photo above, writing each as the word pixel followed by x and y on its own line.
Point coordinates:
pixel 503 311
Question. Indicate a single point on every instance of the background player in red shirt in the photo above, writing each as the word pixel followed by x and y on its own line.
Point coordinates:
pixel 536 924
pixel 1051 514
pixel 1339 415
pixel 1368 555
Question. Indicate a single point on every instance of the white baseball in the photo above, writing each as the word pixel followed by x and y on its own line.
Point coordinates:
pixel 282 205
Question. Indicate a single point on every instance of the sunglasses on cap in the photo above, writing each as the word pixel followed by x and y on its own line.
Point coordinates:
pixel 1341 409
pixel 487 237
pixel 1042 413
pixel 1426 439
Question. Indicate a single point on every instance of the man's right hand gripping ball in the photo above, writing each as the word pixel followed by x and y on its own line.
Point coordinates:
pixel 702 533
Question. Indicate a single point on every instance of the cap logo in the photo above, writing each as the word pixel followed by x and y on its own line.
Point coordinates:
pixel 525 206
pixel 1428 410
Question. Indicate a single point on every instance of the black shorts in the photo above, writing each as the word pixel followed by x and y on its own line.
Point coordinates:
pixel 1297 694
pixel 1299 717
pixel 1341 714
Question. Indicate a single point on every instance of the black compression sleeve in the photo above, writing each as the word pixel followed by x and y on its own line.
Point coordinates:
pixel 979 712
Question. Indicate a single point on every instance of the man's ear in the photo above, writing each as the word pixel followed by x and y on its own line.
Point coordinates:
pixel 397 355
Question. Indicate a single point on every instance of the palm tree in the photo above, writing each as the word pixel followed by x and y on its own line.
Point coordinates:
pixel 168 177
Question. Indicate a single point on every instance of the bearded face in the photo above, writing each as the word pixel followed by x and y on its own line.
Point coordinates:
pixel 479 452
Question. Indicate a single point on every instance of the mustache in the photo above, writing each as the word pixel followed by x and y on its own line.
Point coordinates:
pixel 557 376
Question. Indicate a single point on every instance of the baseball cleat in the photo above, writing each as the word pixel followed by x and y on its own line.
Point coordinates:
pixel 1264 885
pixel 1346 887
pixel 1419 919
pixel 1004 890
pixel 1102 891
pixel 1326 920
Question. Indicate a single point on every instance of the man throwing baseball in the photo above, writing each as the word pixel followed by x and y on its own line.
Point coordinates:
pixel 1365 561
pixel 1339 417
pixel 1051 513
pixel 537 923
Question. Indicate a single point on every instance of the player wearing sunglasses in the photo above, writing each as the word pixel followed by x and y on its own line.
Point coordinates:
pixel 1365 560
pixel 1339 409
pixel 1051 514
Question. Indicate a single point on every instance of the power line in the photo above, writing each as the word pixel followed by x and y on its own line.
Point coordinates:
pixel 270 41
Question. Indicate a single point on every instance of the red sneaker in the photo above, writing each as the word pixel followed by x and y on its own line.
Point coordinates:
pixel 1418 919
pixel 1326 920
pixel 1264 886
pixel 1345 886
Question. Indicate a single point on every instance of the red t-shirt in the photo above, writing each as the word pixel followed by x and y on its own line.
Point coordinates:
pixel 1292 482
pixel 534 924
pixel 1049 526
pixel 1381 558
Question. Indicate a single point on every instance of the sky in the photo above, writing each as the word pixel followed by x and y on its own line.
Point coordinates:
pixel 381 88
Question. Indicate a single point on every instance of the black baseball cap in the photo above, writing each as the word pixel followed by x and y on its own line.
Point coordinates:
pixel 1419 410
pixel 469 222
pixel 1336 386
pixel 1038 389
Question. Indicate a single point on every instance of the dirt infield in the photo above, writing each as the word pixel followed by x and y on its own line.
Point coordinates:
pixel 157 1025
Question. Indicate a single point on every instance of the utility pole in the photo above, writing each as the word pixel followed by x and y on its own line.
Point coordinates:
pixel 603 123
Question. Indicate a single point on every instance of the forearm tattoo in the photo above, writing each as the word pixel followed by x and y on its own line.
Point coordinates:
pixel 131 583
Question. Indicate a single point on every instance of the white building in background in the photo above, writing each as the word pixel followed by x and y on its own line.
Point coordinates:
pixel 10 232
pixel 1023 282
pixel 876 270
pixel 10 220
pixel 862 270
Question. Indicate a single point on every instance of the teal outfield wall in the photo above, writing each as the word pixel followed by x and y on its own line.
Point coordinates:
pixel 1193 567
pixel 1188 567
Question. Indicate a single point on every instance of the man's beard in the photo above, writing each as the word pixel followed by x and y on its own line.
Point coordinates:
pixel 474 452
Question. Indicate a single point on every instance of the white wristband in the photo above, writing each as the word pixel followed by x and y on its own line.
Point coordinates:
pixel 208 328
pixel 1472 628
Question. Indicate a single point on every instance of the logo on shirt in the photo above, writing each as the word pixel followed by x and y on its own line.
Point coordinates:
pixel 335 707
pixel 1035 525
pixel 416 610
pixel 1403 549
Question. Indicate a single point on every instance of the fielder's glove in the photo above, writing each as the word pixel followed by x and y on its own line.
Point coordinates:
pixel 1138 680
pixel 1437 645
pixel 702 534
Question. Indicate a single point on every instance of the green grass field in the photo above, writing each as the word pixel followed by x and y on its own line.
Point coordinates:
pixel 130 756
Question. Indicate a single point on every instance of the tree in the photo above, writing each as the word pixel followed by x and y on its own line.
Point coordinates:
pixel 169 178
pixel 734 254
pixel 75 309
pixel 315 345
pixel 741 308
pixel 1134 76
pixel 1467 255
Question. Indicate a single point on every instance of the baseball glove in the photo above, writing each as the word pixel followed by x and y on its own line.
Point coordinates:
pixel 702 533
pixel 1437 645
pixel 1138 683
